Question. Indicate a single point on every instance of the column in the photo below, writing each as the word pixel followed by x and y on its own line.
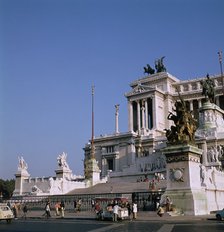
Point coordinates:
pixel 191 105
pixel 138 119
pixel 199 103
pixel 116 119
pixel 154 120
pixel 217 101
pixel 143 115
pixel 130 119
pixel 146 115
pixel 116 159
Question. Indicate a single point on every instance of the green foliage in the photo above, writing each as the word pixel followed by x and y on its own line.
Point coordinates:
pixel 6 188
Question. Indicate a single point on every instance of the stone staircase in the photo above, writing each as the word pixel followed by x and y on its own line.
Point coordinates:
pixel 119 187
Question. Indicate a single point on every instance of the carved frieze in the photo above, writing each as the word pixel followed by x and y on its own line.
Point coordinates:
pixel 184 157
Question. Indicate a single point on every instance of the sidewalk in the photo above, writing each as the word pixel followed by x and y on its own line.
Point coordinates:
pixel 141 216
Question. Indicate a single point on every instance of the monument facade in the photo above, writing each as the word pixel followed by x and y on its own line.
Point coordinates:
pixel 143 153
pixel 185 149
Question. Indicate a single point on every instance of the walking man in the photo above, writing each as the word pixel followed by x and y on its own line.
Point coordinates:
pixel 116 208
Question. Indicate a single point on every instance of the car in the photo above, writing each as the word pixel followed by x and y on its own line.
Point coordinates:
pixel 6 213
pixel 220 214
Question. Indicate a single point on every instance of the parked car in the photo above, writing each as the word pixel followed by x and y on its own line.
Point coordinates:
pixel 6 213
pixel 220 214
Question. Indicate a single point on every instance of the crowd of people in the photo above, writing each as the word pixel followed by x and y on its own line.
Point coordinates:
pixel 114 207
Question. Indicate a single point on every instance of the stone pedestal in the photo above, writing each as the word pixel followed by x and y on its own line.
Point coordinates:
pixel 63 173
pixel 183 179
pixel 92 171
pixel 211 121
pixel 21 175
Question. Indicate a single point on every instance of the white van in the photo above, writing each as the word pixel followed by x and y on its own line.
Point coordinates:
pixel 6 213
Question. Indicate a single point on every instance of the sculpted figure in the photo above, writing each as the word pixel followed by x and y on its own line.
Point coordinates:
pixel 22 164
pixel 208 88
pixel 62 160
pixel 148 69
pixel 159 65
pixel 184 127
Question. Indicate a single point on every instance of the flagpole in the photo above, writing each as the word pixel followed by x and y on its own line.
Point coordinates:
pixel 92 137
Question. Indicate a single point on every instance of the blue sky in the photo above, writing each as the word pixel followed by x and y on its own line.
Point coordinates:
pixel 52 51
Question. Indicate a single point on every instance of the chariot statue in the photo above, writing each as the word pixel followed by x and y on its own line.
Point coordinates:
pixel 159 67
pixel 148 69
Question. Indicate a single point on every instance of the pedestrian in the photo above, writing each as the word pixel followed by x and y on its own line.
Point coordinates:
pixel 134 210
pixel 57 208
pixel 62 207
pixel 93 204
pixel 168 204
pixel 160 211
pixel 116 208
pixel 15 210
pixel 129 210
pixel 79 204
pixel 25 210
pixel 48 210
pixel 75 205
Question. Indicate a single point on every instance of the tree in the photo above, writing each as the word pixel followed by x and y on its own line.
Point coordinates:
pixel 6 188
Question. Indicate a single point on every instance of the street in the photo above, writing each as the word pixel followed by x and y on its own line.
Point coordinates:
pixel 67 225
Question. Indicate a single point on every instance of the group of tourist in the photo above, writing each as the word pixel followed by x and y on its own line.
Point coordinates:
pixel 16 207
pixel 59 209
pixel 115 207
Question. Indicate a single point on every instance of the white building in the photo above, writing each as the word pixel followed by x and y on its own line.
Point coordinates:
pixel 142 153
pixel 138 154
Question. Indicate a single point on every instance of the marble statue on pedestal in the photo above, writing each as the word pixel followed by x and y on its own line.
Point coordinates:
pixel 22 164
pixel 62 161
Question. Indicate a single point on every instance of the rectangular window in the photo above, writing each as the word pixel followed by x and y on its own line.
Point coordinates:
pixel 110 163
pixel 110 149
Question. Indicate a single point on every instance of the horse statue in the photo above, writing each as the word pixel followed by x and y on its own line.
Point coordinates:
pixel 148 69
pixel 159 65
pixel 184 128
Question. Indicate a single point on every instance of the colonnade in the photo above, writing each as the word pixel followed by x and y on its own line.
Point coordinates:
pixel 143 113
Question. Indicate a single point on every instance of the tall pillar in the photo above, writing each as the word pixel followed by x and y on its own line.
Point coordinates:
pixel 116 119
pixel 143 115
pixel 116 159
pixel 191 105
pixel 146 115
pixel 199 103
pixel 130 113
pixel 139 119
pixel 154 119
pixel 217 101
